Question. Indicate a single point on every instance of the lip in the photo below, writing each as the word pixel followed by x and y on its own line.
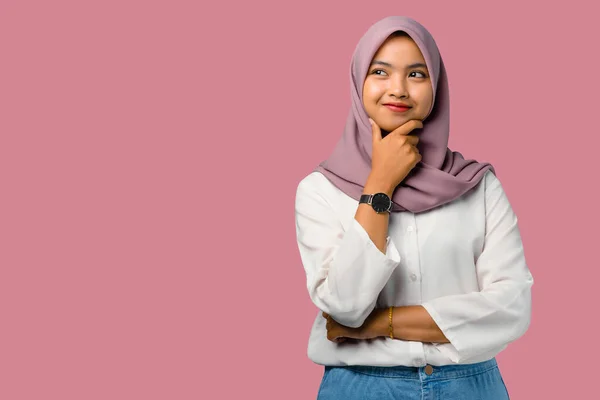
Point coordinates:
pixel 397 107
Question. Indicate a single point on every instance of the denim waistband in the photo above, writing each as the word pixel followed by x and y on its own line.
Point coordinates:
pixel 451 371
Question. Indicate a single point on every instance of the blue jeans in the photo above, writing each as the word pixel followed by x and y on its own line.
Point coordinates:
pixel 479 381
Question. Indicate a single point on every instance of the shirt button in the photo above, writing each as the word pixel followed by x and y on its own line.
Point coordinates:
pixel 410 228
pixel 413 277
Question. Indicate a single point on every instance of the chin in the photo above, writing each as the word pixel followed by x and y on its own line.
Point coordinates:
pixel 396 122
pixel 391 126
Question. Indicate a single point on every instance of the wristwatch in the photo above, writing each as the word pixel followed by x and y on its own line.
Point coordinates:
pixel 380 202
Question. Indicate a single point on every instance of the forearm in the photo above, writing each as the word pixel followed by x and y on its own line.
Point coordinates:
pixel 375 224
pixel 410 323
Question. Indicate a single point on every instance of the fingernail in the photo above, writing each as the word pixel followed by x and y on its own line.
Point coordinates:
pixel 371 121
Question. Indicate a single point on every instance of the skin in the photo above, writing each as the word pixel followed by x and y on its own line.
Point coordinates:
pixel 397 74
pixel 410 323
pixel 403 77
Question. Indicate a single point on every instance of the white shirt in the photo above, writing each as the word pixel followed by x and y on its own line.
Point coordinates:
pixel 462 261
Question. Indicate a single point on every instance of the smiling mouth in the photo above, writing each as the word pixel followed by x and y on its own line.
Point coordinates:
pixel 399 109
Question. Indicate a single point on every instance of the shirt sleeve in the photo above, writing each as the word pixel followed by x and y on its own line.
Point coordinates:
pixel 345 271
pixel 500 312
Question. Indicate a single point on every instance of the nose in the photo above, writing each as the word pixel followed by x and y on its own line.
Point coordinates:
pixel 398 88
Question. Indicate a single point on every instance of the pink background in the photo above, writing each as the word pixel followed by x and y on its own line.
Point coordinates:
pixel 149 157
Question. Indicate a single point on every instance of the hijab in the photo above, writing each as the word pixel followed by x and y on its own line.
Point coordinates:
pixel 442 175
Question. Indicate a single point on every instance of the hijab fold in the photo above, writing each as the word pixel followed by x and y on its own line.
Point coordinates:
pixel 442 175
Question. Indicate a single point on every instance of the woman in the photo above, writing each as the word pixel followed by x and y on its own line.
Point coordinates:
pixel 412 253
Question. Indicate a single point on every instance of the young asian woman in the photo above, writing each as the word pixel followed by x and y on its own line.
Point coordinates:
pixel 412 253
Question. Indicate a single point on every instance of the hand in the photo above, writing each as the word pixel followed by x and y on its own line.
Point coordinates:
pixel 395 156
pixel 339 333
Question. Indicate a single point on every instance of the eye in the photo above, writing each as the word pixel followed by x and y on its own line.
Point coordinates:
pixel 419 72
pixel 374 72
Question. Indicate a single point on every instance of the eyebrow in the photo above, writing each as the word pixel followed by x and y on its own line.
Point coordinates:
pixel 411 66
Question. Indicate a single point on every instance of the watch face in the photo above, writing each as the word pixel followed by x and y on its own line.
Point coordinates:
pixel 381 202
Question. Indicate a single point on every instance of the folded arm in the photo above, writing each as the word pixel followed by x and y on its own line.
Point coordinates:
pixel 345 269
pixel 500 312
pixel 465 325
pixel 412 323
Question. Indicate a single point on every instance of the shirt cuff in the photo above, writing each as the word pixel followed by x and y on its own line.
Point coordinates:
pixel 447 349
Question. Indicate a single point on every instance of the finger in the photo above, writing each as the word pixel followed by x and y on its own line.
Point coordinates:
pixel 412 139
pixel 332 335
pixel 325 315
pixel 375 130
pixel 407 128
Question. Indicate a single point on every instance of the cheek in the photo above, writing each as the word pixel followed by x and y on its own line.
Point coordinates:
pixel 425 99
pixel 371 92
pixel 429 98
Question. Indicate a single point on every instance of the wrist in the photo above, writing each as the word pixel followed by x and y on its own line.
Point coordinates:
pixel 376 184
pixel 380 324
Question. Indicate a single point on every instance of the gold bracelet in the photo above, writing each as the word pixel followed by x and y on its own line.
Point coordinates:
pixel 391 325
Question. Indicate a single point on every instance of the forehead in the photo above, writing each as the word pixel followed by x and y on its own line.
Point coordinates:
pixel 400 49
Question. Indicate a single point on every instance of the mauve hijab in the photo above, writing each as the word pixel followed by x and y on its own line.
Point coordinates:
pixel 442 175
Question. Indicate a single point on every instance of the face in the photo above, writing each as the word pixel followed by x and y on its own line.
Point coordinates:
pixel 397 76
